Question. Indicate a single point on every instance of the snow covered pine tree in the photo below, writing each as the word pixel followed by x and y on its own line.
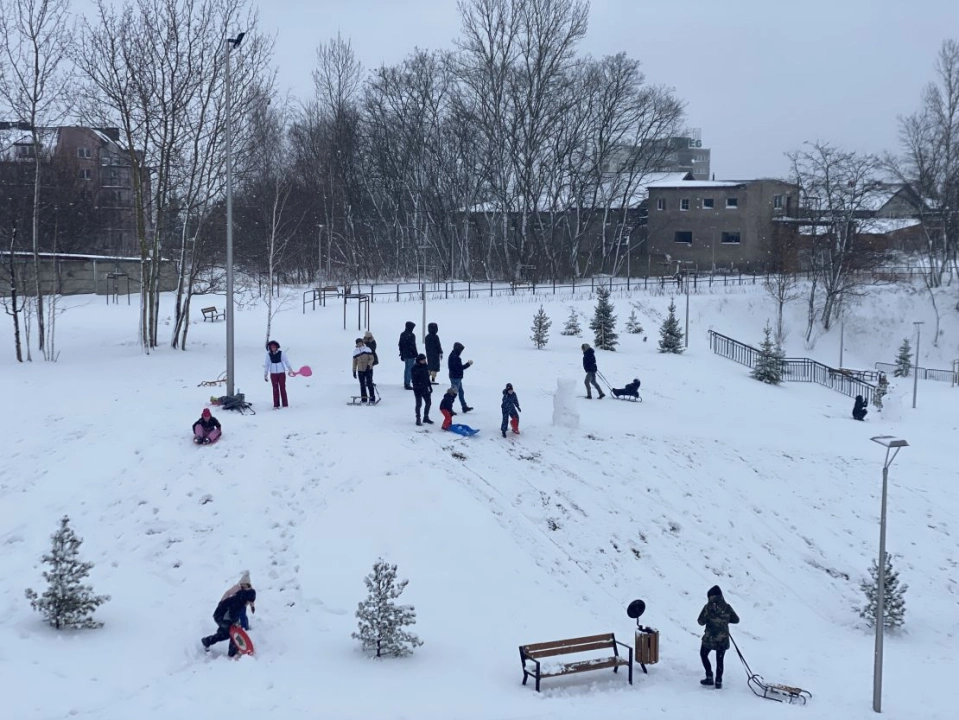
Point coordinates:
pixel 903 360
pixel 603 323
pixel 572 328
pixel 541 326
pixel 633 326
pixel 67 602
pixel 670 336
pixel 382 621
pixel 769 364
pixel 894 602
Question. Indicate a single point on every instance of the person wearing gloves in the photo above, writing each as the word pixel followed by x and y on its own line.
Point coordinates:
pixel 422 389
pixel 446 408
pixel 363 368
pixel 716 615
pixel 226 615
pixel 456 368
pixel 275 368
pixel 243 584
pixel 207 429
pixel 511 410
pixel 589 365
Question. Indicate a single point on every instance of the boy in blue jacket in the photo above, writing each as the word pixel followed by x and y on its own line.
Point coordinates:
pixel 227 614
pixel 511 410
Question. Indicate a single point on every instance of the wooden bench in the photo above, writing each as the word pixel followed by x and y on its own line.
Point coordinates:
pixel 532 656
pixel 211 314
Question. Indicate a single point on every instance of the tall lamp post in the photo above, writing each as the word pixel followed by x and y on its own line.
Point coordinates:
pixel 915 374
pixel 231 45
pixel 894 444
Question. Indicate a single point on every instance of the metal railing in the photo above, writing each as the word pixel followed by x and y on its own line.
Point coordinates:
pixel 949 376
pixel 848 382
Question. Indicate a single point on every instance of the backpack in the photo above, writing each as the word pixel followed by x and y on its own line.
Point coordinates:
pixel 235 402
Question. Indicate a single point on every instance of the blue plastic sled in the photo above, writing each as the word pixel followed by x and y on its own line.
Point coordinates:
pixel 464 430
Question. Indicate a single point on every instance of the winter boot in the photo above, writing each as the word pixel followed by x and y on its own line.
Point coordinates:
pixel 602 395
pixel 418 421
pixel 427 420
pixel 363 399
pixel 504 433
pixel 514 423
pixel 467 409
pixel 206 643
pixel 708 680
pixel 719 684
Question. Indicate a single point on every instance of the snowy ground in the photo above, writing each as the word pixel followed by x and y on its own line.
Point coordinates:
pixel 771 492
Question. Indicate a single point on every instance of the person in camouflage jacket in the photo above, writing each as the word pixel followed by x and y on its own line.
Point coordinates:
pixel 716 616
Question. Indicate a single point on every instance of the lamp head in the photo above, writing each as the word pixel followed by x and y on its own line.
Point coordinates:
pixel 889 441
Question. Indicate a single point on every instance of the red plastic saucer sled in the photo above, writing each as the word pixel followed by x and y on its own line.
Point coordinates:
pixel 244 646
pixel 305 371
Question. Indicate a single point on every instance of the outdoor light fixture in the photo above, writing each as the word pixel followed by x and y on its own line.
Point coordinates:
pixel 894 444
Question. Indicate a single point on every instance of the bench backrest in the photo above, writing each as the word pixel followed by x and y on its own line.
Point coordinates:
pixel 572 645
pixel 208 310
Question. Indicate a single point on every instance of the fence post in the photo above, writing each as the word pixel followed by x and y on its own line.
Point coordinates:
pixel 397 292
pixel 491 288
pixel 469 289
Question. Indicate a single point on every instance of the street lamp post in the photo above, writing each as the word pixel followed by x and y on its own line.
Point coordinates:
pixel 319 252
pixel 915 373
pixel 890 443
pixel 686 337
pixel 231 44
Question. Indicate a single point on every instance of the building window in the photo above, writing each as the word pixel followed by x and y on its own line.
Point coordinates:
pixel 661 203
pixel 732 203
pixel 85 174
pixel 684 204
pixel 730 238
pixel 778 201
pixel 708 204
pixel 83 152
pixel 684 236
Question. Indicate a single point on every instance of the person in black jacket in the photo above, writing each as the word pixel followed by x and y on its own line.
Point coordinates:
pixel 434 351
pixel 716 616
pixel 456 367
pixel 446 407
pixel 370 342
pixel 422 389
pixel 859 411
pixel 511 410
pixel 589 365
pixel 228 613
pixel 631 390
pixel 207 429
pixel 407 347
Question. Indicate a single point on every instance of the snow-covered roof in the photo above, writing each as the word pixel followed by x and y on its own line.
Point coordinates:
pixel 882 226
pixel 696 184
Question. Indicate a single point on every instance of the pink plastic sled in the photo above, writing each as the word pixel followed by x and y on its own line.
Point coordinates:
pixel 305 371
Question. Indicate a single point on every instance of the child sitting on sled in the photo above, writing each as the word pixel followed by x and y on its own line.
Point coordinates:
pixel 207 429
pixel 631 390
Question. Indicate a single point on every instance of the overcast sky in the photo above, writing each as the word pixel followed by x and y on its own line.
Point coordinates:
pixel 759 77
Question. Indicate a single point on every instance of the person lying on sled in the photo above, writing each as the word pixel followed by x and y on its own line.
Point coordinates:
pixel 631 390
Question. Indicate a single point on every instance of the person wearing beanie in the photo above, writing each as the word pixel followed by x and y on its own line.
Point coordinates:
pixel 407 346
pixel 226 615
pixel 589 365
pixel 207 429
pixel 363 367
pixel 274 366
pixel 370 342
pixel 630 390
pixel 243 584
pixel 446 408
pixel 716 616
pixel 456 367
pixel 422 389
pixel 511 410
pixel 434 351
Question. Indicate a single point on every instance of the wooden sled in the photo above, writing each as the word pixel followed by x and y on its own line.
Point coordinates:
pixel 771 691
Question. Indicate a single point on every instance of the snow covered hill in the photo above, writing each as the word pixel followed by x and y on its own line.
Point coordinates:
pixel 771 492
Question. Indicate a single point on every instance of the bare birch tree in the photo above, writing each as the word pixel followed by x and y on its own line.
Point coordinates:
pixel 35 36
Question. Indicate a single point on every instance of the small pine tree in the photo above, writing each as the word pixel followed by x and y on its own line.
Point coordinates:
pixel 603 323
pixel 633 326
pixel 382 621
pixel 904 359
pixel 67 602
pixel 769 368
pixel 670 334
pixel 572 328
pixel 541 326
pixel 894 602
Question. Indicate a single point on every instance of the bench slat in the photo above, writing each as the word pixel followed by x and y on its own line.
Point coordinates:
pixel 568 650
pixel 570 668
pixel 607 638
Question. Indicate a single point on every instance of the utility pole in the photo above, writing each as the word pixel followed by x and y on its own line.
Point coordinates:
pixel 915 373
pixel 231 45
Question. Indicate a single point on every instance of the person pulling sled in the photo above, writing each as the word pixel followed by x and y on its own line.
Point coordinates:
pixel 716 616
pixel 227 614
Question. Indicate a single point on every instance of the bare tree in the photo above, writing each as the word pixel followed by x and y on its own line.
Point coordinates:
pixel 838 189
pixel 34 39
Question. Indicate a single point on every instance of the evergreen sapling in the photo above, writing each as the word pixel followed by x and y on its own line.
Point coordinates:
pixel 670 335
pixel 633 326
pixel 381 621
pixel 903 360
pixel 572 328
pixel 769 365
pixel 894 600
pixel 603 323
pixel 67 602
pixel 541 326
